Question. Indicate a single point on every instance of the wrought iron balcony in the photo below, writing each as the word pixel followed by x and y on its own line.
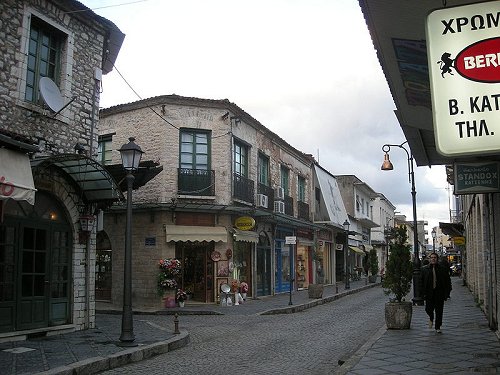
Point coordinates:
pixel 243 188
pixel 288 205
pixel 303 210
pixel 195 181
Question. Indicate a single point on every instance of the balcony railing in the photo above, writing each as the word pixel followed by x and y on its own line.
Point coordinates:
pixel 243 188
pixel 267 190
pixel 196 181
pixel 303 210
pixel 288 205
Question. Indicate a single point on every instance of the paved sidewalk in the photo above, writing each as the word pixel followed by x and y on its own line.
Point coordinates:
pixel 466 346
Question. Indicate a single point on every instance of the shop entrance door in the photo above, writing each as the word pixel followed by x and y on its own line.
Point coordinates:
pixel 197 275
pixel 33 299
pixel 282 272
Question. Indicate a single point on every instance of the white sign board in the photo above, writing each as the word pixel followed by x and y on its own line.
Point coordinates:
pixel 463 47
pixel 290 240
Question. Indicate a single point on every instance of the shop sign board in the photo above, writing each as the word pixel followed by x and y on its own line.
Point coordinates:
pixel 290 240
pixel 244 223
pixel 463 49
pixel 459 241
pixel 476 178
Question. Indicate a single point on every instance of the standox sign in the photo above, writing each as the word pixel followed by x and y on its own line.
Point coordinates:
pixel 463 48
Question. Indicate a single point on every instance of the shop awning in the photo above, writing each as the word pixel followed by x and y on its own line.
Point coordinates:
pixel 245 236
pixel 332 200
pixel 185 233
pixel 357 250
pixel 16 179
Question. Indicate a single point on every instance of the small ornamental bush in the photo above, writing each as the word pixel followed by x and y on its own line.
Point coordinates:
pixel 399 267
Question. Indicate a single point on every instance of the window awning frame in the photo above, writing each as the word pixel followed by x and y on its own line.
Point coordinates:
pixel 245 235
pixel 92 180
pixel 188 233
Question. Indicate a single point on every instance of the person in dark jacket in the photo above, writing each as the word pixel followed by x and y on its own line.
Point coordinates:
pixel 436 284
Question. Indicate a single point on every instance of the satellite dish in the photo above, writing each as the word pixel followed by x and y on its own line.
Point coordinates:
pixel 51 94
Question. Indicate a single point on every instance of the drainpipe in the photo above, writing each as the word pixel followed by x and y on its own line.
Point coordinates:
pixel 490 264
pixel 87 280
pixel 95 108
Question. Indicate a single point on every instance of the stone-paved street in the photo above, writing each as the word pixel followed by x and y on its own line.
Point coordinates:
pixel 307 342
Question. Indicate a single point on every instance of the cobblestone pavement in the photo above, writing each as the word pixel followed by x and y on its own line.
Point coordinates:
pixel 308 342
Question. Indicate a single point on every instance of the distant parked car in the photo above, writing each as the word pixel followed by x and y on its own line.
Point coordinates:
pixel 456 269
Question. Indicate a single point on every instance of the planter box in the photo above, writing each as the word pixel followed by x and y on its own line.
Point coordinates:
pixel 315 290
pixel 372 278
pixel 398 315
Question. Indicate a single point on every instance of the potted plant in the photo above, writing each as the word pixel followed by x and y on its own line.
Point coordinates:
pixel 244 290
pixel 373 265
pixel 181 297
pixel 169 270
pixel 397 282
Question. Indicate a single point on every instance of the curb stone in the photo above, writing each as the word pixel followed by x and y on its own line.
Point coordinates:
pixel 136 354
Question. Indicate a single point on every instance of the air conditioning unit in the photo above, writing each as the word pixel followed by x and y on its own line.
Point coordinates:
pixel 279 207
pixel 261 200
pixel 279 193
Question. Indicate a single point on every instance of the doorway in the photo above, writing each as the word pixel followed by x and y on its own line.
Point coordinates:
pixel 35 265
pixel 197 270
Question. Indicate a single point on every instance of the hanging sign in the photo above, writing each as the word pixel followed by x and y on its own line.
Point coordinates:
pixel 463 48
pixel 244 223
pixel 476 178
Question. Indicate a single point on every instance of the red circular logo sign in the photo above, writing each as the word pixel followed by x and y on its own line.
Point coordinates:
pixel 480 61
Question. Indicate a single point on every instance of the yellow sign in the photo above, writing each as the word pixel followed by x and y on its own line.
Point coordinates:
pixel 244 223
pixel 459 240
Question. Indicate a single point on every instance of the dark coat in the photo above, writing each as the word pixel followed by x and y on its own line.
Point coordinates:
pixel 443 282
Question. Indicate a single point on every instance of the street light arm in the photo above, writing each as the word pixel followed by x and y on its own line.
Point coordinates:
pixel 417 300
pixel 409 157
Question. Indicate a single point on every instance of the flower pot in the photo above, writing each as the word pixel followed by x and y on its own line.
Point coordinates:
pixel 181 303
pixel 169 302
pixel 398 315
pixel 372 278
pixel 244 296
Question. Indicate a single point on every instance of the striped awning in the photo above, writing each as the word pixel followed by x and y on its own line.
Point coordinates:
pixel 357 250
pixel 245 236
pixel 188 233
pixel 16 178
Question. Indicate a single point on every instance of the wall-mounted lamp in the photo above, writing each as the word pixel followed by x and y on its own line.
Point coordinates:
pixel 236 119
pixel 87 223
pixel 79 149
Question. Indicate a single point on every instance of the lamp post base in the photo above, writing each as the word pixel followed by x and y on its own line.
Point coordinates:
pixel 418 300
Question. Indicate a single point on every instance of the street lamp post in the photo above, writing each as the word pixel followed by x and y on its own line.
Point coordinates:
pixel 347 255
pixel 131 157
pixel 433 234
pixel 387 166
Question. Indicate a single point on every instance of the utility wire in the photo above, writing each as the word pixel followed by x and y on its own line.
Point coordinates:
pixel 106 6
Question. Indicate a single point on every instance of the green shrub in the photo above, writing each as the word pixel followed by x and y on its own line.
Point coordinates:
pixel 373 262
pixel 399 267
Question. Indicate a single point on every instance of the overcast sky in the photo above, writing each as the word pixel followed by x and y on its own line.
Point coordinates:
pixel 306 69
